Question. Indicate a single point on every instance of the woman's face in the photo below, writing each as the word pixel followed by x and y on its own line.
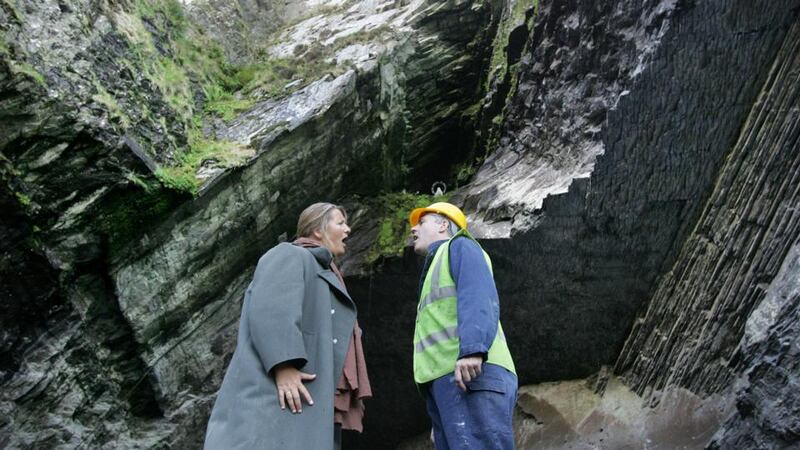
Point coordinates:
pixel 336 233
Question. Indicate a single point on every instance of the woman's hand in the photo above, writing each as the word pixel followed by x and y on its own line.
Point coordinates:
pixel 289 382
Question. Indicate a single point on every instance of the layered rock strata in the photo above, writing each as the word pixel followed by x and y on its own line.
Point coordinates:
pixel 725 307
pixel 624 131
pixel 133 330
pixel 588 259
pixel 576 272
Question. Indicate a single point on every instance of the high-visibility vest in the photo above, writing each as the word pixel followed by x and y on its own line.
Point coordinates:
pixel 436 342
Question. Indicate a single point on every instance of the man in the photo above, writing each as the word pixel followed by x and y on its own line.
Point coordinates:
pixel 461 360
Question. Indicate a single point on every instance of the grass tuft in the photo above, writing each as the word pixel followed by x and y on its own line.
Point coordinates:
pixel 201 150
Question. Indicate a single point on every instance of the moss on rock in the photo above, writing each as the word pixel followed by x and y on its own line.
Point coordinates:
pixel 392 210
pixel 131 211
pixel 183 176
pixel 516 15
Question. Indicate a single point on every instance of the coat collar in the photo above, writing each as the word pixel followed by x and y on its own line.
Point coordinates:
pixel 322 254
pixel 324 258
pixel 333 280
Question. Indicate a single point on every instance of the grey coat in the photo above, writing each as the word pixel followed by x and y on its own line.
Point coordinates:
pixel 294 309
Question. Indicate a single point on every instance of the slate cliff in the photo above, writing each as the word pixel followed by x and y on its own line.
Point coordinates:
pixel 632 168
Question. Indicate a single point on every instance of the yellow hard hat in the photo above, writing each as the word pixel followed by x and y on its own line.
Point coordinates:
pixel 446 209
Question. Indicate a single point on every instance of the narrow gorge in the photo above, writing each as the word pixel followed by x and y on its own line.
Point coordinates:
pixel 633 169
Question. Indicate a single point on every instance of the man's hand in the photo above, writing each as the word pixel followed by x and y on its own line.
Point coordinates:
pixel 467 369
pixel 289 382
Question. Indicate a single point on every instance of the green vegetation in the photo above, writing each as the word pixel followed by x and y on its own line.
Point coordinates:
pixel 359 37
pixel 182 177
pixel 192 55
pixel 184 61
pixel 393 209
pixel 103 97
pixel 223 103
pixel 28 70
pixel 166 15
pixel 185 57
pixel 466 170
pixel 141 182
pixel 161 69
pixel 4 51
pixel 499 70
pixel 133 211
pixel 23 199
pixel 181 61
pixel 269 78
pixel 34 239
pixel 11 7
pixel 498 65
pixel 16 62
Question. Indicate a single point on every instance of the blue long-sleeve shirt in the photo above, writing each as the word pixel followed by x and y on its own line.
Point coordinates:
pixel 477 305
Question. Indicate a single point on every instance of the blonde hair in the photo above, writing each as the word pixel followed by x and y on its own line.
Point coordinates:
pixel 316 217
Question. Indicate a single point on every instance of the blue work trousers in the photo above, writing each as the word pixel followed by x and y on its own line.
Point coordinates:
pixel 478 419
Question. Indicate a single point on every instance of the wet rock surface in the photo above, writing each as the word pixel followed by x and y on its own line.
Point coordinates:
pixel 602 412
pixel 736 275
pixel 734 253
pixel 644 178
pixel 576 271
pixel 767 404
pixel 386 312
pixel 588 259
pixel 136 327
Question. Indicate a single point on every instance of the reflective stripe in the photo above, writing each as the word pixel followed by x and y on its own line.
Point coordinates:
pixel 436 269
pixel 447 334
pixel 438 294
pixel 435 338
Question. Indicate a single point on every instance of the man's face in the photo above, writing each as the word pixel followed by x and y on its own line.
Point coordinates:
pixel 428 230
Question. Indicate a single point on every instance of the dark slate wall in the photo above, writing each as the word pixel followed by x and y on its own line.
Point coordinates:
pixel 728 309
pixel 386 303
pixel 580 275
pixel 572 285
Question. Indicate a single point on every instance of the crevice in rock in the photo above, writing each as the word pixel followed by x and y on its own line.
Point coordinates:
pixel 29 294
pixel 105 324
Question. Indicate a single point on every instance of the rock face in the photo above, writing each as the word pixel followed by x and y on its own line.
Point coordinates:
pixel 603 412
pixel 575 273
pixel 588 258
pixel 766 392
pixel 640 205
pixel 240 26
pixel 723 309
pixel 123 295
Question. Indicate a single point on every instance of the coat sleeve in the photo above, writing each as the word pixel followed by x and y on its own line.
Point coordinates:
pixel 275 308
pixel 477 305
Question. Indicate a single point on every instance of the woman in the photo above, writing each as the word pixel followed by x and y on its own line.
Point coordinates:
pixel 298 375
